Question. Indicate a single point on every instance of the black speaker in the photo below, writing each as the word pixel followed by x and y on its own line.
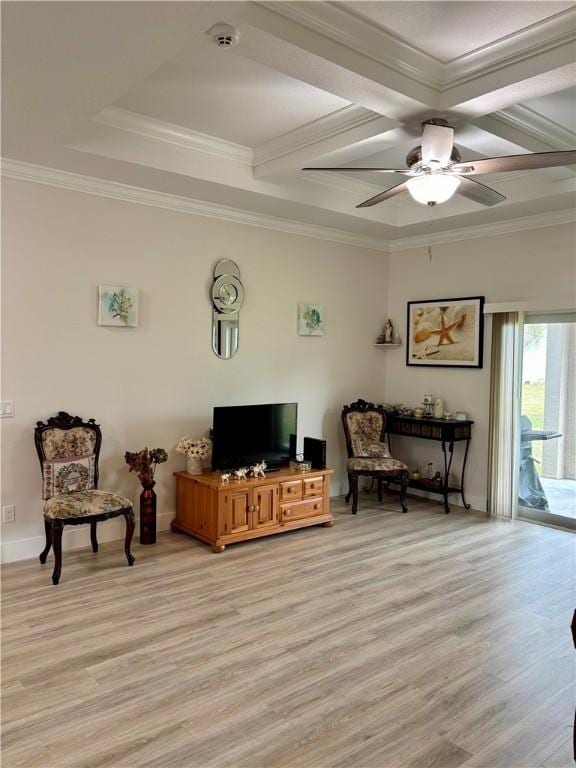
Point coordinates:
pixel 315 451
pixel 293 447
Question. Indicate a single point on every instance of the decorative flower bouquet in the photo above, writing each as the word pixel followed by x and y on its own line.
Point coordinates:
pixel 195 451
pixel 144 463
pixel 199 449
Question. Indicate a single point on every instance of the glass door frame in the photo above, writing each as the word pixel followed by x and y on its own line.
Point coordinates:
pixel 526 513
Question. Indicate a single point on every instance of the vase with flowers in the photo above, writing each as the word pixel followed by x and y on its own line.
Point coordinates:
pixel 195 451
pixel 145 463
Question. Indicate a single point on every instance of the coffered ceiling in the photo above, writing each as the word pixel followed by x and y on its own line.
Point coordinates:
pixel 138 94
pixel 447 30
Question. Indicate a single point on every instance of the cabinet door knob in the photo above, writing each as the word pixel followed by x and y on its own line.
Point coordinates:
pixel 286 511
pixel 316 506
pixel 251 508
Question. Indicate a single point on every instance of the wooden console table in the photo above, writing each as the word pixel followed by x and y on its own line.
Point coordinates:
pixel 445 431
pixel 225 513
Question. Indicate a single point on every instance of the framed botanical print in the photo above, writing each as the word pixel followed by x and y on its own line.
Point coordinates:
pixel 447 333
pixel 117 305
pixel 310 320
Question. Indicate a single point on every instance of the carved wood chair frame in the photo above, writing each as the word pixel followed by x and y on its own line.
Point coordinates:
pixel 54 527
pixel 381 476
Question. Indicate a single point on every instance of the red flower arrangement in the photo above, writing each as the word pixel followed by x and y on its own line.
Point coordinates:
pixel 145 462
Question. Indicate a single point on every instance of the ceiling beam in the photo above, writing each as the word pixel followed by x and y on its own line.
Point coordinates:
pixel 528 129
pixel 272 36
pixel 136 140
pixel 510 69
pixel 341 129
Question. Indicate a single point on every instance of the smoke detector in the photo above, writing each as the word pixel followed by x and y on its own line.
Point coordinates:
pixel 224 35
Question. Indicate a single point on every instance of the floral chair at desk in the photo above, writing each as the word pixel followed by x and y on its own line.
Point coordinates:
pixel 68 449
pixel 368 454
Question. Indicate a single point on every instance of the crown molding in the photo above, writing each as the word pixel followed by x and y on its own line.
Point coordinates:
pixel 333 124
pixel 550 219
pixel 541 37
pixel 344 26
pixel 532 123
pixel 38 174
pixel 160 130
pixel 327 127
pixel 343 183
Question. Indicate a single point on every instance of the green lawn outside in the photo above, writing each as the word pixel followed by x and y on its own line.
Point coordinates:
pixel 533 403
pixel 533 407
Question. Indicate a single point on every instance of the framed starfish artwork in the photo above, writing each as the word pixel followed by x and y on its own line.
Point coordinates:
pixel 447 333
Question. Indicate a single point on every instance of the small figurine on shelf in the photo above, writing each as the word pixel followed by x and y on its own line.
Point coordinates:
pixel 437 481
pixel 388 332
pixel 241 474
pixel 428 405
pixel 257 470
pixel 225 477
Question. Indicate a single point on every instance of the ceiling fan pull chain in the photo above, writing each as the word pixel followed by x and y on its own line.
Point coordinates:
pixel 430 209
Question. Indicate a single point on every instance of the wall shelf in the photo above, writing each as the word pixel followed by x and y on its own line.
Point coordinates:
pixel 399 344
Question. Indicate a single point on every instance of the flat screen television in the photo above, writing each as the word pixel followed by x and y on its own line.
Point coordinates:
pixel 245 434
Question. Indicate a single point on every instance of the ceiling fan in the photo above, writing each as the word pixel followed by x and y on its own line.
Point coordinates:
pixel 436 171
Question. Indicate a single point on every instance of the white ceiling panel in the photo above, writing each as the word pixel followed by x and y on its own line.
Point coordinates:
pixel 559 107
pixel 447 30
pixel 136 93
pixel 221 94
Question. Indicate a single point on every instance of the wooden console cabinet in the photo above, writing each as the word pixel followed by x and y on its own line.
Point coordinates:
pixel 224 513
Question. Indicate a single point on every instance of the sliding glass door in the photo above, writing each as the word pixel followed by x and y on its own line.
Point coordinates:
pixel 547 433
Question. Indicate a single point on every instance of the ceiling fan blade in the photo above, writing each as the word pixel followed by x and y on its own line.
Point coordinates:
pixel 381 196
pixel 356 170
pixel 480 193
pixel 437 143
pixel 517 162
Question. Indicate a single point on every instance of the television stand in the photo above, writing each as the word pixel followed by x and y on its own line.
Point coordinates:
pixel 226 513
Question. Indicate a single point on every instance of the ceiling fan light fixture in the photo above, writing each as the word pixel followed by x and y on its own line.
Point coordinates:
pixel 432 188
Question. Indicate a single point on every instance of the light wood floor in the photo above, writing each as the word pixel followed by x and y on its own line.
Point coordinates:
pixel 421 641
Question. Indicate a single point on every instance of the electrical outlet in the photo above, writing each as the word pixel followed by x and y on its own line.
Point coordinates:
pixel 6 408
pixel 8 513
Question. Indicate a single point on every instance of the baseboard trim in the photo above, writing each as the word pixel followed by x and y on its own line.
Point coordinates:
pixel 78 537
pixel 75 537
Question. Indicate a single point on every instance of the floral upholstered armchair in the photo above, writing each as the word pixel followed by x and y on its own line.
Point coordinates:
pixel 68 449
pixel 368 454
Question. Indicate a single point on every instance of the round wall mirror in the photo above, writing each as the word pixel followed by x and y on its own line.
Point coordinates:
pixel 227 298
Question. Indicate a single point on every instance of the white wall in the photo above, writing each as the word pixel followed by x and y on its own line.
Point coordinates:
pixel 152 384
pixel 538 264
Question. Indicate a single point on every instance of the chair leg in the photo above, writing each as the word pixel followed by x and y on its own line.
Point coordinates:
pixel 93 538
pixel 57 546
pixel 380 490
pixel 130 524
pixel 46 550
pixel 347 497
pixel 403 491
pixel 354 494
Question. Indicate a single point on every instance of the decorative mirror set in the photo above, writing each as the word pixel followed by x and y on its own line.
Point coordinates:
pixel 227 297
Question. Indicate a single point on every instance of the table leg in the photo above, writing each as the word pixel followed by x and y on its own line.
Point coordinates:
pixel 466 506
pixel 447 467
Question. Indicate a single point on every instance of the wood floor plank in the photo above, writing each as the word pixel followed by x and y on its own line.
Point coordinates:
pixel 388 641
